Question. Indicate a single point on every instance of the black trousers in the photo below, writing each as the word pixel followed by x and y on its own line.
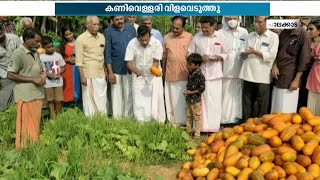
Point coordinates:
pixel 255 99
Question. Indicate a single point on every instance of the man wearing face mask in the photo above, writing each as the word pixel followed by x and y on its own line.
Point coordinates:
pixel 292 59
pixel 260 51
pixel 8 43
pixel 26 69
pixel 234 37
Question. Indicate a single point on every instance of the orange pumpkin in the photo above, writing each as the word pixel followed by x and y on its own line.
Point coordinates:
pixel 305 113
pixel 155 71
pixel 41 50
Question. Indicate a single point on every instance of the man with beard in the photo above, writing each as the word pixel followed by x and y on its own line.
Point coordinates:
pixel 8 43
pixel 25 23
pixel 26 69
pixel 147 21
pixel 117 38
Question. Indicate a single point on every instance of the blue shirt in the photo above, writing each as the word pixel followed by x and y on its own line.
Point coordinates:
pixel 157 34
pixel 116 44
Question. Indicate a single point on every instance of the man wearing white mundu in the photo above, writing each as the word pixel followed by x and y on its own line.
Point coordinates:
pixel 90 62
pixel 209 44
pixel 175 47
pixel 294 54
pixel 142 53
pixel 234 37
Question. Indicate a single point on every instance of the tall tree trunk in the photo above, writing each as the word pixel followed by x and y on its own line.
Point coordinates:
pixel 34 21
pixel 191 20
pixel 56 23
pixel 43 25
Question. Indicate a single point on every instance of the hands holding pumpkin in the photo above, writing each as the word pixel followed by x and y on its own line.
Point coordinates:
pixel 155 71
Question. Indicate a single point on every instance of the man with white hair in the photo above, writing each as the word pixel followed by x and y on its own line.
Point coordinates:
pixel 132 21
pixel 90 62
pixel 234 37
pixel 26 22
pixel 147 21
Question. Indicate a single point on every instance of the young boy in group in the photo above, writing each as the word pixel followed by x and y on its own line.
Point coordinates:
pixel 54 66
pixel 195 87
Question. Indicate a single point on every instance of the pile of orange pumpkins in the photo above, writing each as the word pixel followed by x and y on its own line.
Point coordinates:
pixel 275 146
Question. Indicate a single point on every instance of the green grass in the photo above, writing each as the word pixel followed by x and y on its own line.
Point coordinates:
pixel 75 147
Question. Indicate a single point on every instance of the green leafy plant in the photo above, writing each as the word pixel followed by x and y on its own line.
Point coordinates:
pixel 74 147
pixel 53 36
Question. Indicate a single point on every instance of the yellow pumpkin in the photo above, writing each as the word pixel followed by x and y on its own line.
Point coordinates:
pixel 200 172
pixel 155 71
pixel 41 50
pixel 305 113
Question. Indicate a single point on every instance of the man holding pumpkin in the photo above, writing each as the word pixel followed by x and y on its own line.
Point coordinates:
pixel 143 55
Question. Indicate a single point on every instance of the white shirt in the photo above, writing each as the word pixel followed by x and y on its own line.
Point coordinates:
pixel 235 41
pixel 209 45
pixel 143 57
pixel 256 69
pixel 52 64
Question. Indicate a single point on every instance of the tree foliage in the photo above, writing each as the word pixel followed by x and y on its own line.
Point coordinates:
pixel 51 25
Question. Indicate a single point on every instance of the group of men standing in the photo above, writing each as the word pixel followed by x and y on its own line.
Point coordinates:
pixel 124 56
pixel 238 68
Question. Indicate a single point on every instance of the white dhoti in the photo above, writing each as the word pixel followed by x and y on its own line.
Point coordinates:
pixel 284 101
pixel 211 103
pixel 121 95
pixel 313 102
pixel 148 102
pixel 176 102
pixel 158 104
pixel 94 96
pixel 231 100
